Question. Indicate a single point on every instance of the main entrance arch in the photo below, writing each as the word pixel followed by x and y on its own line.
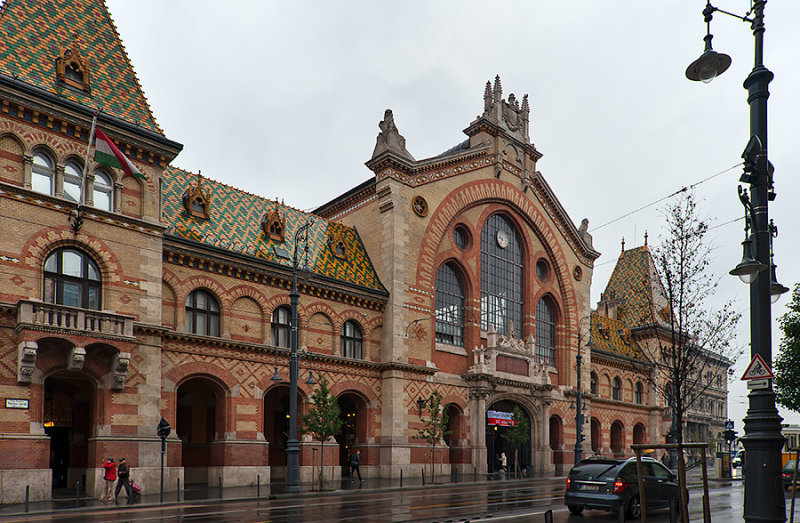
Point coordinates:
pixel 68 419
pixel 498 423
pixel 200 423
pixel 353 413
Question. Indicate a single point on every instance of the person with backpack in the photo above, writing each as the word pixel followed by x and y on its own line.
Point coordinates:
pixel 124 474
pixel 355 462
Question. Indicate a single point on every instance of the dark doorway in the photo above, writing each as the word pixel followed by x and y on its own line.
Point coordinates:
pixel 496 444
pixel 596 437
pixel 352 412
pixel 199 423
pixel 617 438
pixel 67 420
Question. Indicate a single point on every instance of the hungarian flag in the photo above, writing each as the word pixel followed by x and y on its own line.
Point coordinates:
pixel 106 153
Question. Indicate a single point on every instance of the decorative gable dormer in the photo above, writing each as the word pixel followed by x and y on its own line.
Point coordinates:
pixel 274 225
pixel 72 68
pixel 507 114
pixel 196 201
pixel 337 245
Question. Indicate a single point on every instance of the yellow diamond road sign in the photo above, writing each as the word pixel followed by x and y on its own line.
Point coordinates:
pixel 757 370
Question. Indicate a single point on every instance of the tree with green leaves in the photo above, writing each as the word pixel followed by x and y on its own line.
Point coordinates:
pixel 434 427
pixel 787 364
pixel 518 434
pixel 323 421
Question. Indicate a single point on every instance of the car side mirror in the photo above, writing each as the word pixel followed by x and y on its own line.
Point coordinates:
pixel 673 477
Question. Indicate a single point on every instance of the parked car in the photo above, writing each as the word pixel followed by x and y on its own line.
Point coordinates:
pixel 738 458
pixel 607 484
pixel 788 474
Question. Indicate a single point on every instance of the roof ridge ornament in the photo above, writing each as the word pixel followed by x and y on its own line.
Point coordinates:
pixel 72 68
pixel 389 139
pixel 506 113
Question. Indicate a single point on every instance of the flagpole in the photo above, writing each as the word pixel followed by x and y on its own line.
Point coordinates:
pixel 77 221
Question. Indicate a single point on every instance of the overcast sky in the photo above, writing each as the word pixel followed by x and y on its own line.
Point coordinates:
pixel 283 99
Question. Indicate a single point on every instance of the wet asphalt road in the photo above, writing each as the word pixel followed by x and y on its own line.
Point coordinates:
pixel 450 503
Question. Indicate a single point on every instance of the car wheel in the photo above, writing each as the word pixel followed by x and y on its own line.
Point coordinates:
pixel 634 508
pixel 575 509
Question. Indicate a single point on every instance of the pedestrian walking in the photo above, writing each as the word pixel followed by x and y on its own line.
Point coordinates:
pixel 109 477
pixel 355 462
pixel 123 480
pixel 503 461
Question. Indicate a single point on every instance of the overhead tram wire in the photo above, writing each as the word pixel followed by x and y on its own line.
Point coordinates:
pixel 679 191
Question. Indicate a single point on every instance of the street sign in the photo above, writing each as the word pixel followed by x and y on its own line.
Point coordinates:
pixel 757 370
pixel 729 425
pixel 758 384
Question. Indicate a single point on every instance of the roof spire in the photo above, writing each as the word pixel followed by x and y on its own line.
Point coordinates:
pixel 487 96
pixel 645 237
pixel 498 89
pixel 623 244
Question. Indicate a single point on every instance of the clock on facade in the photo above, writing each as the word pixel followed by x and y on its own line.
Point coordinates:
pixel 502 239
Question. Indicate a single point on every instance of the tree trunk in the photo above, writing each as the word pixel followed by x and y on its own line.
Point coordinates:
pixel 321 462
pixel 433 463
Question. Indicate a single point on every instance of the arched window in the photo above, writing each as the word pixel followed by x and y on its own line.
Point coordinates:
pixel 202 313
pixel 501 276
pixel 72 278
pixel 639 392
pixel 616 389
pixel 43 173
pixel 351 340
pixel 449 306
pixel 593 382
pixel 281 325
pixel 72 182
pixel 546 332
pixel 103 191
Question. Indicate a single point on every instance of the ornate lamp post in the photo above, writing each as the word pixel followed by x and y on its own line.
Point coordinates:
pixel 763 491
pixel 292 444
pixel 578 404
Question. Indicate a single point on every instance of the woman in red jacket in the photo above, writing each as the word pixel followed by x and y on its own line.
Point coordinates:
pixel 109 477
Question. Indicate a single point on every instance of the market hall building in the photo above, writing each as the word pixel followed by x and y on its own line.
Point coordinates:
pixel 168 296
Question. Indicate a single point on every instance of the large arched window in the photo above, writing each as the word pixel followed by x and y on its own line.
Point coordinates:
pixel 449 306
pixel 639 394
pixel 501 276
pixel 103 191
pixel 546 332
pixel 593 382
pixel 202 313
pixel 72 182
pixel 351 340
pixel 616 390
pixel 72 278
pixel 280 328
pixel 43 173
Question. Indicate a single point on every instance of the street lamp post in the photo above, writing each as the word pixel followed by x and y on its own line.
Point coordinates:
pixel 292 444
pixel 763 490
pixel 579 406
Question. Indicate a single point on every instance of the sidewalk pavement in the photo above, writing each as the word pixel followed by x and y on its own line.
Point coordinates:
pixel 63 500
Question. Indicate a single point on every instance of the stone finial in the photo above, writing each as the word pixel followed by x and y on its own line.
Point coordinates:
pixel 623 244
pixel 583 230
pixel 498 89
pixel 487 96
pixel 506 113
pixel 390 139
pixel 645 237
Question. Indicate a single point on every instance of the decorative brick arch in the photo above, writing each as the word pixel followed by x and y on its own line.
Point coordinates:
pixel 201 369
pixel 15 133
pixel 40 245
pixel 244 291
pixel 366 394
pixel 201 281
pixel 45 142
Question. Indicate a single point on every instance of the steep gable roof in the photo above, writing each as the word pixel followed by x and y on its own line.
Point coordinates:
pixel 636 285
pixel 33 34
pixel 613 337
pixel 235 224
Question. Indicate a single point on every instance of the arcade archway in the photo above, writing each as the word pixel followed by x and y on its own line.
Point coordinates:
pixel 68 419
pixel 200 423
pixel 276 427
pixel 353 413
pixel 498 422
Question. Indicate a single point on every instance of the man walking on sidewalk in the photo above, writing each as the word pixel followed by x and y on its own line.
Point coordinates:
pixel 355 462
pixel 124 475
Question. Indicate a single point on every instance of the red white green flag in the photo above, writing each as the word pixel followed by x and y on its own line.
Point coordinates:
pixel 106 153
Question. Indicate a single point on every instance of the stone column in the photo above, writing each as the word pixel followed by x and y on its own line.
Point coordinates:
pixel 27 164
pixel 59 181
pixel 117 197
pixel 477 417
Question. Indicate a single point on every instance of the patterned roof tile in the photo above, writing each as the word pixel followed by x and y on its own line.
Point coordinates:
pixel 32 34
pixel 612 336
pixel 235 224
pixel 636 285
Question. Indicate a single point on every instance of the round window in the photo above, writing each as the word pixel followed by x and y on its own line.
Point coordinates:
pixel 542 270
pixel 461 237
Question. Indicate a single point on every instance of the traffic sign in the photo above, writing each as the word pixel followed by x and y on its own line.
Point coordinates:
pixel 757 370
pixel 758 384
pixel 729 425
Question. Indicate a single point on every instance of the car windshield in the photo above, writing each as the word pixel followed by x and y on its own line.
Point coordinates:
pixel 592 470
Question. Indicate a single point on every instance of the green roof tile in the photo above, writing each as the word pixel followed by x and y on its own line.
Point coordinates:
pixel 637 287
pixel 32 34
pixel 235 224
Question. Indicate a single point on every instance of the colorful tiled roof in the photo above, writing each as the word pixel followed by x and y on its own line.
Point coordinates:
pixel 33 33
pixel 612 336
pixel 235 224
pixel 635 284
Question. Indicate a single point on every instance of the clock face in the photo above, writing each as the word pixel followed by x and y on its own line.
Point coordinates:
pixel 502 239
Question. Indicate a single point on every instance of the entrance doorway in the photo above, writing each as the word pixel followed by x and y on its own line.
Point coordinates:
pixel 498 424
pixel 67 420
pixel 352 412
pixel 200 422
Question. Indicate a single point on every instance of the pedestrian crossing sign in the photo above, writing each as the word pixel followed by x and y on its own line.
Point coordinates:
pixel 757 370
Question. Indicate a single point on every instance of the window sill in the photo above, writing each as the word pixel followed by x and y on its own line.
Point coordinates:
pixel 452 349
